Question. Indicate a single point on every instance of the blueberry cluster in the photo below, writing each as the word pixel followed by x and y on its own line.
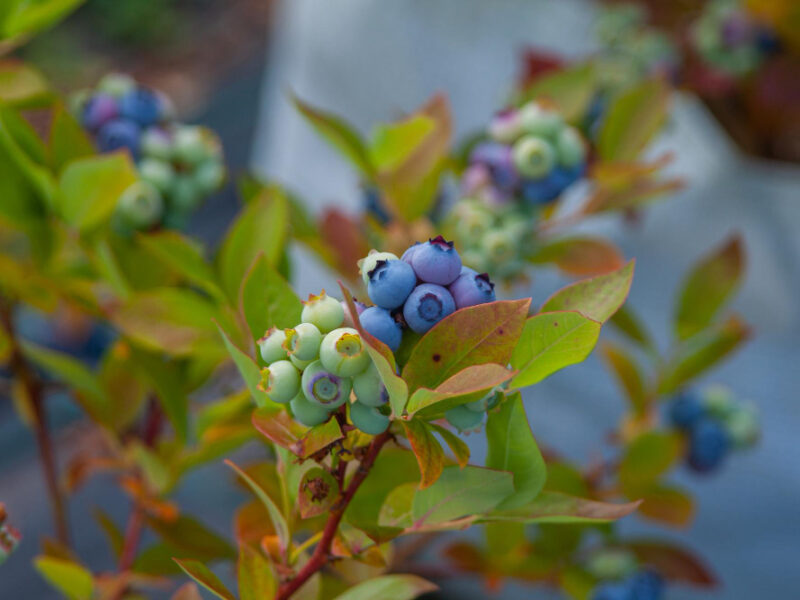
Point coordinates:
pixel 729 40
pixel 178 164
pixel 533 155
pixel 714 423
pixel 315 366
pixel 641 585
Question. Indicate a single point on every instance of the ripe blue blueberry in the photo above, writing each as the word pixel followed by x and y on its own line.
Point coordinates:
pixel 366 264
pixel 427 305
pixel 119 133
pixel 647 585
pixel 141 106
pixel 463 418
pixel 471 288
pixel 533 157
pixel 436 261
pixel 271 346
pixel 617 590
pixel 99 110
pixel 708 445
pixel 348 318
pixel 308 413
pixel 685 411
pixel 379 323
pixel 409 253
pixel 323 311
pixel 303 341
pixel 280 381
pixel 374 206
pixel 369 388
pixel 343 352
pixel 390 283
pixel 497 158
pixel 548 188
pixel 324 388
pixel 368 418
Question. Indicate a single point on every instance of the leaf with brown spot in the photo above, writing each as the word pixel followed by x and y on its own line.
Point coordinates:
pixel 317 493
pixel 428 451
pixel 317 438
pixel 486 333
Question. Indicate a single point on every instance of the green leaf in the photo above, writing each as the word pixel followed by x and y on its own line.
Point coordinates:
pixel 68 141
pixel 626 322
pixel 317 438
pixel 597 298
pixel 256 578
pixel 339 134
pixel 513 448
pixel 251 375
pixel 25 17
pixel 473 383
pixel 184 257
pixel 481 334
pixel 203 575
pixel 383 359
pixel 461 493
pixel 555 507
pixel 260 228
pixel 628 375
pixel 21 84
pixel 267 300
pixel 709 285
pixel 550 342
pixel 167 379
pixel 632 120
pixel 701 352
pixel 456 444
pixel 317 493
pixel 571 90
pixel 276 516
pixel 391 143
pixel 90 188
pixel 396 587
pixel 69 578
pixel 115 537
pixel 428 451
pixel 647 458
pixel 580 256
pixel 189 535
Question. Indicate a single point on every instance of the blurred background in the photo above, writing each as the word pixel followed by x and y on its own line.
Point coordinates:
pixel 231 65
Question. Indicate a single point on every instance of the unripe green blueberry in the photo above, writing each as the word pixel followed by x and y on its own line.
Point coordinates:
pixel 271 345
pixel 156 143
pixel 498 248
pixel 369 388
pixel 533 156
pixel 189 145
pixel 157 172
pixel 184 194
pixel 463 418
pixel 209 176
pixel 612 564
pixel 116 84
pixel 308 413
pixel 280 381
pixel 718 401
pixel 743 427
pixel 323 311
pixel 539 121
pixel 303 341
pixel 570 147
pixel 140 205
pixel 488 402
pixel 368 418
pixel 366 264
pixel 324 388
pixel 343 352
pixel 475 259
pixel 472 220
pixel 301 364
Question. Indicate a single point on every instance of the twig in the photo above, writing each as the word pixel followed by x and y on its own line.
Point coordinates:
pixel 321 554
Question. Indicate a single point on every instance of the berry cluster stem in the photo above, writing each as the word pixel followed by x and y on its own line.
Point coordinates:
pixel 321 554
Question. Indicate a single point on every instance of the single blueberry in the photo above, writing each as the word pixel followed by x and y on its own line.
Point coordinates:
pixel 390 283
pixel 685 411
pixel 549 187
pixel 98 111
pixel 409 253
pixel 647 585
pixel 427 305
pixel 379 323
pixel 471 288
pixel 436 261
pixel 141 106
pixel 708 445
pixel 499 161
pixel 119 133
pixel 617 590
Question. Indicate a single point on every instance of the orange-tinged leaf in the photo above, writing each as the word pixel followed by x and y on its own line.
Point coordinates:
pixel 456 444
pixel 580 256
pixel 203 575
pixel 628 375
pixel 673 562
pixel 279 428
pixel 667 504
pixel 318 438
pixel 345 239
pixel 427 450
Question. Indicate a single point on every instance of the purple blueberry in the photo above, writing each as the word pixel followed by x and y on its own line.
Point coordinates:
pixel 410 251
pixel 379 323
pixel 471 288
pixel 436 261
pixel 498 159
pixel 98 110
pixel 141 106
pixel 617 590
pixel 427 305
pixel 708 445
pixel 647 585
pixel 119 133
pixel 685 411
pixel 390 283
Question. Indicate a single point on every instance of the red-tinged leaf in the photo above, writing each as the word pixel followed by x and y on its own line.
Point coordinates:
pixel 708 287
pixel 473 383
pixel 456 444
pixel 345 239
pixel 188 591
pixel 382 357
pixel 318 491
pixel 279 428
pixel 632 195
pixel 701 352
pixel 251 374
pixel 428 451
pixel 647 458
pixel 597 298
pixel 624 367
pixel 673 562
pixel 580 256
pixel 317 438
pixel 396 587
pixel 466 557
pixel 666 504
pixel 203 575
pixel 555 507
pixel 481 334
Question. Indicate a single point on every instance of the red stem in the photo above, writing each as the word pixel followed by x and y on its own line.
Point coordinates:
pixel 321 554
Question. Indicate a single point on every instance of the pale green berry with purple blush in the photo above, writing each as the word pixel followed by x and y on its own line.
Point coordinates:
pixel 324 388
pixel 343 352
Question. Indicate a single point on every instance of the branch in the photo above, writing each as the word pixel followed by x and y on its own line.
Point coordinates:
pixel 322 552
